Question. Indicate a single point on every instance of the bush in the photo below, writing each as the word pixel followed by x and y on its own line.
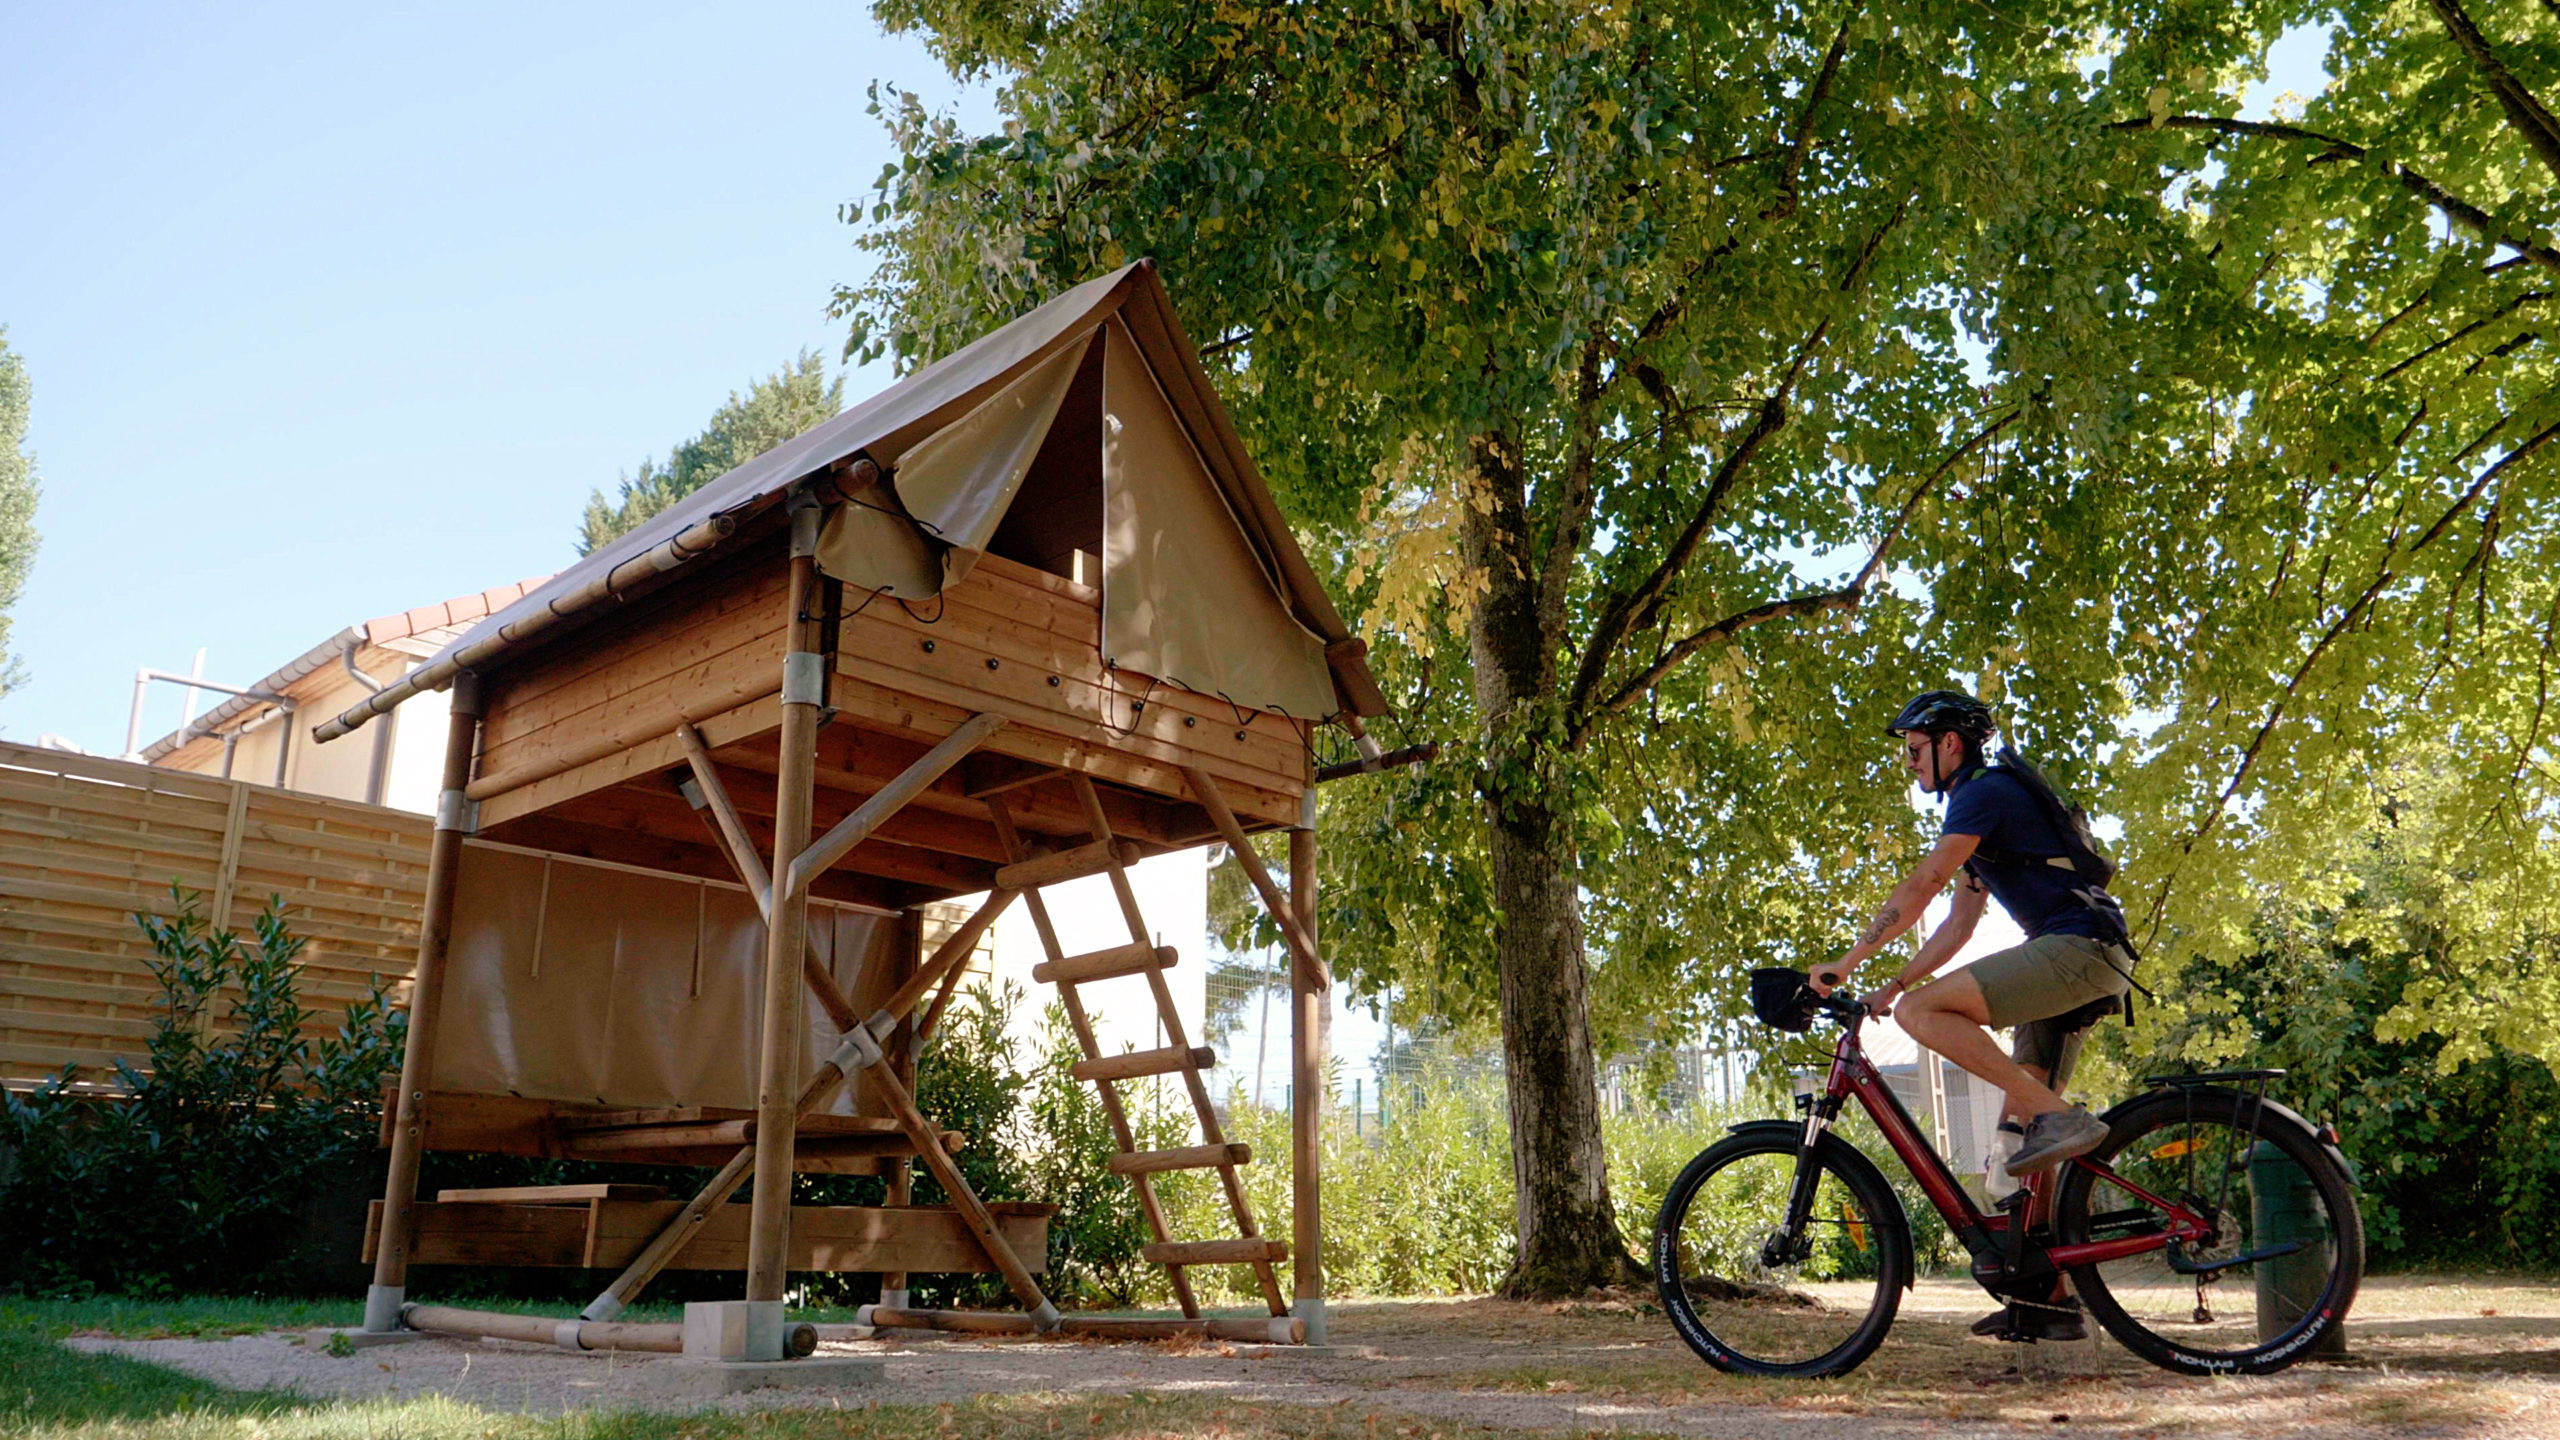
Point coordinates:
pixel 196 1174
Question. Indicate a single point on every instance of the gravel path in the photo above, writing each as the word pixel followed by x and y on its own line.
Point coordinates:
pixel 525 1378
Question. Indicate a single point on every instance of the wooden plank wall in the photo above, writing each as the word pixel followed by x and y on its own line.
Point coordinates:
pixel 86 842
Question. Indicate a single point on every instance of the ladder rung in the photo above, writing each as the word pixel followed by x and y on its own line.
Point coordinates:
pixel 1065 865
pixel 1190 1157
pixel 1138 1063
pixel 1215 1252
pixel 1108 964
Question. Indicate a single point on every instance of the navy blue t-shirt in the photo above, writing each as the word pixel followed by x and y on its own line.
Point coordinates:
pixel 1997 808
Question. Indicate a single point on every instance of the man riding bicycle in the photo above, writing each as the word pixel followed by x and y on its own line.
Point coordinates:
pixel 2002 834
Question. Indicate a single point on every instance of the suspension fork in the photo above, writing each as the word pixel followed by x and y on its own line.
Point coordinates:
pixel 1782 1248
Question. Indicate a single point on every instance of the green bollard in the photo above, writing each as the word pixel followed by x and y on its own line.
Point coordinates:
pixel 2284 1206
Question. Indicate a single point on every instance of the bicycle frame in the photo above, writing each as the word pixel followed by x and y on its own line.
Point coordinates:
pixel 1986 1236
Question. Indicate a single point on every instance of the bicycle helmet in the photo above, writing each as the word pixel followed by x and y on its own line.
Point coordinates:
pixel 1934 711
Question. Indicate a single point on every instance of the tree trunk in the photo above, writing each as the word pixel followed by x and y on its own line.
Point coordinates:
pixel 1568 1228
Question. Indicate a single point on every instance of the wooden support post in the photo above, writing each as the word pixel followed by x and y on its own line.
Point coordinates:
pixel 426 994
pixel 1306 1099
pixel 786 925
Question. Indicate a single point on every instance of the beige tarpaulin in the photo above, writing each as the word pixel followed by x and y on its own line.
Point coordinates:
pixel 1184 598
pixel 591 983
pixel 955 485
pixel 897 429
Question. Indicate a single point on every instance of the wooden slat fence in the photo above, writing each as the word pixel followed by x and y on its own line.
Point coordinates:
pixel 86 842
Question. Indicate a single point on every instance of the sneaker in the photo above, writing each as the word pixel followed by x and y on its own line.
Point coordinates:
pixel 2056 1321
pixel 2056 1137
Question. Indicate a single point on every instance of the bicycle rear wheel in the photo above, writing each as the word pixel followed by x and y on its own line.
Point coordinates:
pixel 2286 1241
pixel 1749 1301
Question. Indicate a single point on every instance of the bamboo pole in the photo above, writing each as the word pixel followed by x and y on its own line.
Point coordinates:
pixel 656 560
pixel 1306 1100
pixel 563 1334
pixel 1276 1331
pixel 426 995
pixel 786 924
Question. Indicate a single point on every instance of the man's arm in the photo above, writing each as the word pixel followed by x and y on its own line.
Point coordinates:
pixel 1903 908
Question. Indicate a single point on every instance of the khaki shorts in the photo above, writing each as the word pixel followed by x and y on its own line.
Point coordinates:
pixel 2031 988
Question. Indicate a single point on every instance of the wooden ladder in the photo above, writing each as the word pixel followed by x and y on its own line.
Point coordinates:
pixel 1141 956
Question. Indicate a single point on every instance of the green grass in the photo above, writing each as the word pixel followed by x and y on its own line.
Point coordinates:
pixel 49 1392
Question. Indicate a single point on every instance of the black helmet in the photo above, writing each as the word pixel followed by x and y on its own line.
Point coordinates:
pixel 1933 711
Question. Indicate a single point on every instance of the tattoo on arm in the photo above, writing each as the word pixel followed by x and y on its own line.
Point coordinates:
pixel 1886 919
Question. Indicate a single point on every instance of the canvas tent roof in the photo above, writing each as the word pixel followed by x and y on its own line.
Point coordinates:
pixel 998 383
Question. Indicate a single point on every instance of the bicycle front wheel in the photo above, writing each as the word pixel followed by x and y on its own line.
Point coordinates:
pixel 2279 1270
pixel 1754 1297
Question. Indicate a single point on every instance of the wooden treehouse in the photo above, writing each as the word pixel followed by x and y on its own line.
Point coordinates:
pixel 1027 616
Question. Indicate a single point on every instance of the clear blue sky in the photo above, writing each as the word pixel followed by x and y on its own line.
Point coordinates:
pixel 335 310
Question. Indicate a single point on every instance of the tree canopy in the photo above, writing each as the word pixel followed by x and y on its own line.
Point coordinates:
pixel 18 494
pixel 775 408
pixel 1677 387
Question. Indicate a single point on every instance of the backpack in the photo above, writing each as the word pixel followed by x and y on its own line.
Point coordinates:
pixel 2079 842
pixel 2083 856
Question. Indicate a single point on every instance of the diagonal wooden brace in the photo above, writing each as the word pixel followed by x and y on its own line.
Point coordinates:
pixel 1311 967
pixel 855 828
pixel 973 1212
pixel 686 1223
pixel 709 796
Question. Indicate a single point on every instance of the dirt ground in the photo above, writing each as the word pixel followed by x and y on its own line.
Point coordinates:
pixel 2429 1357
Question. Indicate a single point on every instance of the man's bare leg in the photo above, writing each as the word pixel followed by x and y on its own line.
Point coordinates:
pixel 1951 1017
pixel 1964 1016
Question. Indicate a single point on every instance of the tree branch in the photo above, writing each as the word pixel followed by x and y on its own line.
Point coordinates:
pixel 2524 112
pixel 2383 577
pixel 1802 140
pixel 1573 510
pixel 2529 297
pixel 2469 216
pixel 1845 598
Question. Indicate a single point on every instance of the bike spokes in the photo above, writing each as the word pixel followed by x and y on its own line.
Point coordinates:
pixel 1778 1289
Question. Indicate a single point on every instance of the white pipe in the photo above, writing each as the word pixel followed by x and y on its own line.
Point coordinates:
pixel 142 679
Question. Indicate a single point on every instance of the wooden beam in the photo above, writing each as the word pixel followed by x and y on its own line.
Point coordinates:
pixel 857 827
pixel 1302 946
pixel 973 1212
pixel 426 997
pixel 1308 1012
pixel 786 927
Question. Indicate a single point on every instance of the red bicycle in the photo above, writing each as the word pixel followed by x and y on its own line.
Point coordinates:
pixel 1781 1250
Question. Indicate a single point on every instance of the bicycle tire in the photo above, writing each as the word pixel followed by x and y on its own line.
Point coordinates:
pixel 1865 1184
pixel 2129 1125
